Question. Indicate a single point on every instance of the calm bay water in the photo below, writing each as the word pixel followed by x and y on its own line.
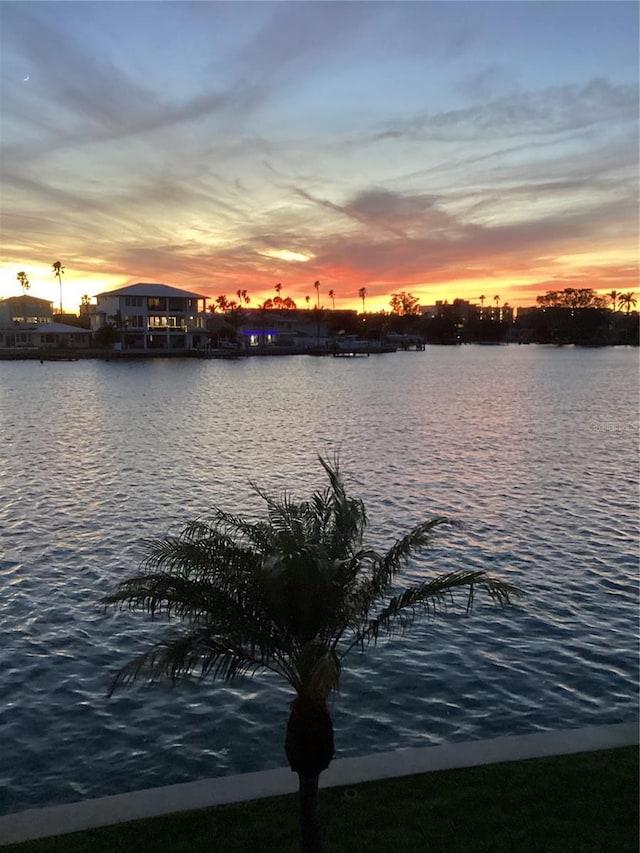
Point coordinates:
pixel 534 449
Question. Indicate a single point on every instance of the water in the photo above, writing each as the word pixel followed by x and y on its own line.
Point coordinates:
pixel 533 448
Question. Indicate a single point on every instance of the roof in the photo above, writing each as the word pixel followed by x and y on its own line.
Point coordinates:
pixel 13 300
pixel 56 328
pixel 150 289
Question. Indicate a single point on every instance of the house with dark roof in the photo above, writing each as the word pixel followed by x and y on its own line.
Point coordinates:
pixel 152 317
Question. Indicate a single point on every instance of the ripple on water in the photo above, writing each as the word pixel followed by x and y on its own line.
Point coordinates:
pixel 503 439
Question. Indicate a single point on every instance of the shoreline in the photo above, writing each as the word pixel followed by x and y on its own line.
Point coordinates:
pixel 256 352
pixel 153 802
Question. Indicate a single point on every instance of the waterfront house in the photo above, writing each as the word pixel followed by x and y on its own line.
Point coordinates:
pixel 152 317
pixel 299 329
pixel 27 323
pixel 25 309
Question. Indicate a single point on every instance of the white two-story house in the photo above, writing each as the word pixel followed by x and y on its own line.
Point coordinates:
pixel 153 317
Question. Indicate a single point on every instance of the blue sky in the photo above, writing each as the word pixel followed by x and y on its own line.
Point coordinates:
pixel 449 149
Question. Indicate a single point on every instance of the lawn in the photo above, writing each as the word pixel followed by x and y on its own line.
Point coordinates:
pixel 566 804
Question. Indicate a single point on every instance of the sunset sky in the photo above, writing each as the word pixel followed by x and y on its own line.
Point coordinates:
pixel 445 148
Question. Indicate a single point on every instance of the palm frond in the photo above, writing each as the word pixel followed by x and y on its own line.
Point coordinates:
pixel 191 653
pixel 428 599
pixel 418 539
pixel 292 593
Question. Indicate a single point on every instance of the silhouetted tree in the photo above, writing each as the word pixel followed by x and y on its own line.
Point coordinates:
pixel 332 297
pixel 263 309
pixel 628 300
pixel 307 299
pixel 294 594
pixel 362 294
pixel 23 281
pixel 404 304
pixel 58 270
pixel 570 297
pixel 119 325
pixel 316 284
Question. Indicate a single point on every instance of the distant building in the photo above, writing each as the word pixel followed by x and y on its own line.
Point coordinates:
pixel 463 311
pixel 152 317
pixel 299 328
pixel 25 309
pixel 26 323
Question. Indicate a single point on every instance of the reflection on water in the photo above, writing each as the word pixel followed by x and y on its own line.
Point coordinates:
pixel 534 449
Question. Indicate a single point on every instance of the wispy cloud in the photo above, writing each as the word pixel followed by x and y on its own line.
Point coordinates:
pixel 392 145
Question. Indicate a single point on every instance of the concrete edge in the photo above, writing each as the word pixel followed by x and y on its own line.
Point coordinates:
pixel 153 802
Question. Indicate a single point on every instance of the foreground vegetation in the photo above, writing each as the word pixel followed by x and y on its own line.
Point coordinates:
pixel 293 593
pixel 566 804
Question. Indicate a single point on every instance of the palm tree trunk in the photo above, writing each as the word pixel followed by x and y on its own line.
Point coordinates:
pixel 309 818
pixel 309 749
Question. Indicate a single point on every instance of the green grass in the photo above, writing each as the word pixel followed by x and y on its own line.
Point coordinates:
pixel 566 804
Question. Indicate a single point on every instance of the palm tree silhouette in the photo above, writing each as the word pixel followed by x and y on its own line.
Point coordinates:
pixel 23 281
pixel 613 296
pixel 293 594
pixel 307 299
pixel 627 299
pixel 316 284
pixel 332 297
pixel 58 270
pixel 362 293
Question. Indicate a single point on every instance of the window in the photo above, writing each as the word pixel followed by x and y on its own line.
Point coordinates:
pixel 156 303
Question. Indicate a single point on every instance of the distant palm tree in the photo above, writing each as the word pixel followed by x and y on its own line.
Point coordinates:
pixel 119 326
pixel 614 296
pixel 362 294
pixel 307 299
pixel 278 288
pixel 223 303
pixel 627 299
pixel 58 270
pixel 266 306
pixel 288 303
pixel 316 284
pixel 294 594
pixel 332 297
pixel 23 282
pixel 243 297
pixel 482 298
pixel 496 299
